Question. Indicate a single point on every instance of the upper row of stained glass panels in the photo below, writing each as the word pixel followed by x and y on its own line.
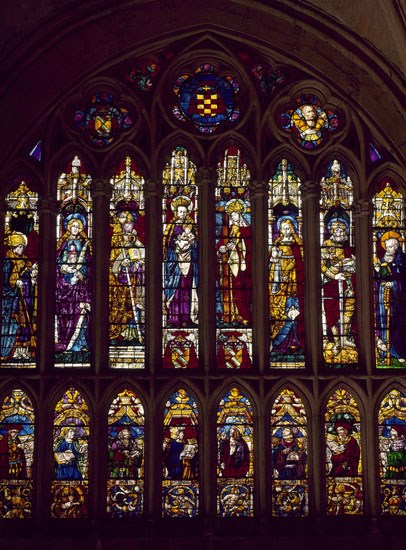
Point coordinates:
pixel 181 285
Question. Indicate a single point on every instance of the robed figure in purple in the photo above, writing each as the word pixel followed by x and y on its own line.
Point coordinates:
pixel 180 266
pixel 73 286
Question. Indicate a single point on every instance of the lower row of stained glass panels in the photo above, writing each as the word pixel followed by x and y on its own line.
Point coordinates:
pixel 290 488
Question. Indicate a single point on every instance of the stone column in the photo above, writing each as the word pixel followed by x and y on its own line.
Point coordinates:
pixel 311 253
pixel 101 193
pixel 260 287
pixel 364 287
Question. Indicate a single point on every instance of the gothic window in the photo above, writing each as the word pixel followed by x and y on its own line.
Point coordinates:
pixel 176 311
pixel 126 430
pixel 235 456
pixel 289 437
pixel 392 453
pixel 16 455
pixel 389 236
pixel 286 268
pixel 127 268
pixel 73 267
pixel 180 263
pixel 19 335
pixel 338 267
pixel 70 456
pixel 343 455
pixel 180 483
pixel 233 270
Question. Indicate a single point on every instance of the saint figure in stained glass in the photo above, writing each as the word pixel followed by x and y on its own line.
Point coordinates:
pixel 20 275
pixel 343 455
pixel 235 481
pixel 286 272
pixel 289 456
pixel 127 268
pixel 233 251
pixel 16 455
pixel 389 277
pixel 180 485
pixel 70 457
pixel 338 268
pixel 309 122
pixel 125 482
pixel 180 268
pixel 392 452
pixel 73 269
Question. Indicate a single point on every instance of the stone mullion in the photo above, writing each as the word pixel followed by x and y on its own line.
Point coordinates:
pixel 153 303
pixel 313 339
pixel 153 358
pixel 101 193
pixel 260 324
pixel 260 294
pixel 364 298
pixel 311 253
pixel 48 210
pixel 205 179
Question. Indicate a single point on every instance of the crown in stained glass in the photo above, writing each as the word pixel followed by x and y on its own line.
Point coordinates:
pixel 206 98
pixel 103 119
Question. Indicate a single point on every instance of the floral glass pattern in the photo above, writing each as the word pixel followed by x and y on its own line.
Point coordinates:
pixel 144 74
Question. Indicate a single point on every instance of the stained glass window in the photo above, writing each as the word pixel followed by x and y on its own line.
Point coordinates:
pixel 70 456
pixel 103 120
pixel 144 74
pixel 290 491
pixel 338 267
pixel 180 263
pixel 127 268
pixel 73 267
pixel 36 151
pixel 16 455
pixel 389 235
pixel 125 484
pixel 18 346
pixel 392 453
pixel 235 456
pixel 206 98
pixel 180 484
pixel 286 271
pixel 233 273
pixel 309 122
pixel 343 455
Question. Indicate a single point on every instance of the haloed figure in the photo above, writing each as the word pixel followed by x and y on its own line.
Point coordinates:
pixel 73 286
pixel 18 300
